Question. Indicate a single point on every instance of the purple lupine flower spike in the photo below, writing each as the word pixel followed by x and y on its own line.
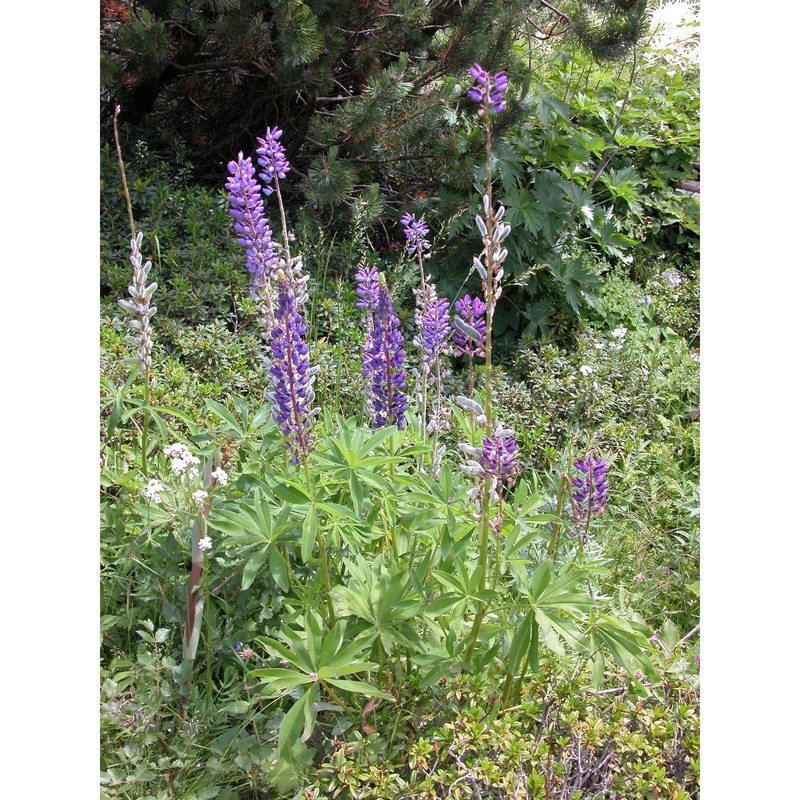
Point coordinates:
pixel 497 85
pixel 472 311
pixel 272 157
pixel 416 231
pixel 498 457
pixel 293 394
pixel 383 364
pixel 367 288
pixel 247 209
pixel 436 330
pixel 591 491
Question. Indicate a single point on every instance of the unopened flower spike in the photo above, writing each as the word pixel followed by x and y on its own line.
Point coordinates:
pixel 140 311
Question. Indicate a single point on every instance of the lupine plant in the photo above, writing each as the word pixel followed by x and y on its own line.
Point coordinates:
pixel 368 574
pixel 432 318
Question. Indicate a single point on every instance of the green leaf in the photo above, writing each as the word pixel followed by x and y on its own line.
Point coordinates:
pixel 251 568
pixel 278 680
pixel 357 492
pixel 291 493
pixel 309 536
pixel 519 644
pixel 293 724
pixel 219 410
pixel 277 569
pixel 540 579
pixel 359 687
pixel 236 707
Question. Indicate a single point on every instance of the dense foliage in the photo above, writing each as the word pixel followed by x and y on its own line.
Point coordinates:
pixel 364 90
pixel 360 540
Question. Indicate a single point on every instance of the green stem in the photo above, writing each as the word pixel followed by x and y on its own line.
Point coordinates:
pixel 553 544
pixel 145 422
pixel 283 226
pixel 393 533
pixel 488 241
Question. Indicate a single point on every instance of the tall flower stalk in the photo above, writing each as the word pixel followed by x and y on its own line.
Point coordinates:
pixel 281 286
pixel 488 90
pixel 138 307
pixel 367 291
pixel 140 311
pixel 416 232
pixel 433 341
pixel 292 394
pixel 254 234
pixel 382 363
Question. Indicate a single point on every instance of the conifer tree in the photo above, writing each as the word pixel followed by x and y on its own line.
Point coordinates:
pixel 363 89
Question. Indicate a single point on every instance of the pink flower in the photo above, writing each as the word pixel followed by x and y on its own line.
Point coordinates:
pixel 640 577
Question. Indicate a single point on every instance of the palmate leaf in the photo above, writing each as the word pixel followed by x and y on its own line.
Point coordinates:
pixel 548 192
pixel 576 281
pixel 523 209
pixel 509 165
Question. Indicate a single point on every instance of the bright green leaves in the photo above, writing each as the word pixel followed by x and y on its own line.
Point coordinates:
pixel 381 600
pixel 253 528
pixel 315 662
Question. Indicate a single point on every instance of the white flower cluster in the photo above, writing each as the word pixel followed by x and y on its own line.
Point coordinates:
pixel 672 278
pixel 153 490
pixel 619 333
pixel 205 543
pixel 586 370
pixel 182 460
pixel 220 476
pixel 199 497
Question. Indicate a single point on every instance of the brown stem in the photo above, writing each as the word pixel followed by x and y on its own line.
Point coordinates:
pixel 122 173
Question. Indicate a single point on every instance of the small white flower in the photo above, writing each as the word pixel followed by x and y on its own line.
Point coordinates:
pixel 220 476
pixel 586 370
pixel 619 333
pixel 153 490
pixel 193 472
pixel 199 497
pixel 595 386
pixel 600 345
pixel 178 466
pixel 205 543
